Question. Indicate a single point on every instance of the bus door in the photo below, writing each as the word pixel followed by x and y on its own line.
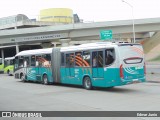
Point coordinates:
pixel 33 71
pixel 27 71
pixel 97 64
pixel 38 64
pixel 110 69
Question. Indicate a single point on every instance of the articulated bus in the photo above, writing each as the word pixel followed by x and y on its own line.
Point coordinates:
pixel 1 66
pixel 9 65
pixel 102 64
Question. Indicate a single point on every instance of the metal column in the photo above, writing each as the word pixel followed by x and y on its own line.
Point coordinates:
pixel 2 54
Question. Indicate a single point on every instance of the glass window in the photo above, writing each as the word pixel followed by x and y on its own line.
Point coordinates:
pixel 46 60
pixel 12 62
pixel 97 59
pixel 70 60
pixel 109 56
pixel 78 59
pixel 33 62
pixel 6 63
pixel 26 62
pixel 47 57
pixel 67 60
pixel 16 62
pixel 21 61
pixel 86 58
pixel 62 59
pixel 38 61
pixel 133 60
pixel 94 59
pixel 100 58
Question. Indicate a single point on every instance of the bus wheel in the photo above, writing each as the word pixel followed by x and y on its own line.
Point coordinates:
pixel 45 79
pixel 87 83
pixel 22 78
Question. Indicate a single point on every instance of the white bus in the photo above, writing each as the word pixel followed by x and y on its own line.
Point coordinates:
pixel 1 65
pixel 102 64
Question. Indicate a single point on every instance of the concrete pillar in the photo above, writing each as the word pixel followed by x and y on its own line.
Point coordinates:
pixel 2 54
pixel 17 48
pixel 54 44
pixel 64 42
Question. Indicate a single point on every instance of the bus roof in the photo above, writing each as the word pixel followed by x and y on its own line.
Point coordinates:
pixel 35 52
pixel 97 45
pixel 88 46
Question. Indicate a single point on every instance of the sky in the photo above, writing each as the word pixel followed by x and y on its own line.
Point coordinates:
pixel 88 10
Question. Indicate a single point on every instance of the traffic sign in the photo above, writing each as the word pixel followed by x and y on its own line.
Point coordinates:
pixel 106 34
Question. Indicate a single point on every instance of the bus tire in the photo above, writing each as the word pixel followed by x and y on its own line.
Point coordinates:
pixel 45 80
pixel 87 83
pixel 22 77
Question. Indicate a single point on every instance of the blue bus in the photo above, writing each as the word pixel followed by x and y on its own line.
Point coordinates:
pixel 102 64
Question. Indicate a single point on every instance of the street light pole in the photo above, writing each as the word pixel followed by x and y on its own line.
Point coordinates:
pixel 132 19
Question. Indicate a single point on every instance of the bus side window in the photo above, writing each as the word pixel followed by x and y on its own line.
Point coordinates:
pixel 78 59
pixel 67 60
pixel 62 59
pixel 46 60
pixel 12 62
pixel 26 62
pixel 86 58
pixel 6 63
pixel 16 62
pixel 21 60
pixel 109 56
pixel 33 62
pixel 38 63
pixel 100 58
pixel 71 59
pixel 94 59
pixel 97 59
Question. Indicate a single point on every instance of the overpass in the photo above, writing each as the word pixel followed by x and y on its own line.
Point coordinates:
pixel 74 33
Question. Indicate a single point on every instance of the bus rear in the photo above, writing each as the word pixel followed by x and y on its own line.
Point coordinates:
pixel 132 65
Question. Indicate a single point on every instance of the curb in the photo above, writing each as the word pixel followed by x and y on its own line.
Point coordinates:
pixel 153 81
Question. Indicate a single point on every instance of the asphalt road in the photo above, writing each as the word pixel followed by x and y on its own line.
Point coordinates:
pixel 18 96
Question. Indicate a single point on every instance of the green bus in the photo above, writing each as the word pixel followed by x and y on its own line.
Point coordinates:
pixel 1 65
pixel 102 64
pixel 9 65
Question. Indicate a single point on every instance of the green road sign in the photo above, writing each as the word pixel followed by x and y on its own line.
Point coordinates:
pixel 106 34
